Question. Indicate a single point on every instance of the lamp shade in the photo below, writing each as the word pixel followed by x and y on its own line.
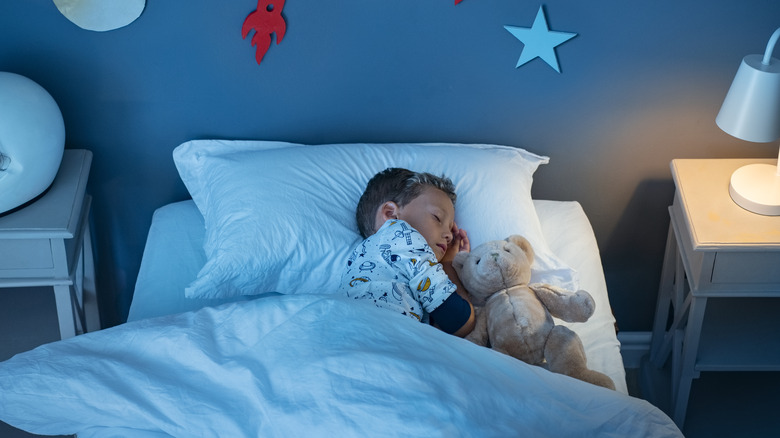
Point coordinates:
pixel 32 140
pixel 751 110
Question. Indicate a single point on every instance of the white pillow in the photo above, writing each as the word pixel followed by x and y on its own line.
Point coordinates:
pixel 280 217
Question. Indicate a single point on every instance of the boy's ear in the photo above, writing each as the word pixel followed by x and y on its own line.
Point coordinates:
pixel 388 210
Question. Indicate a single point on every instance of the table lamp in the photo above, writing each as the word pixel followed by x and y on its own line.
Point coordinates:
pixel 751 111
pixel 32 140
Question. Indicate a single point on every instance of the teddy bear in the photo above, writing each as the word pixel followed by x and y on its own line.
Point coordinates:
pixel 516 318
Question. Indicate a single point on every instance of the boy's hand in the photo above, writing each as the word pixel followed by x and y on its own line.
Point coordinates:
pixel 460 242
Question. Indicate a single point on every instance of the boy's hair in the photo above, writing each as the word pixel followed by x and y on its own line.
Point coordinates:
pixel 397 185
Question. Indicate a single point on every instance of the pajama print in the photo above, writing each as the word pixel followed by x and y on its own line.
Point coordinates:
pixel 397 269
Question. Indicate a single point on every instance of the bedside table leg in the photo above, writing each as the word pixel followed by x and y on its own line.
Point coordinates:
pixel 686 372
pixel 661 341
pixel 89 290
pixel 65 316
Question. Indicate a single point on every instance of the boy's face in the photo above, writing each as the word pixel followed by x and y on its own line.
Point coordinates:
pixel 432 215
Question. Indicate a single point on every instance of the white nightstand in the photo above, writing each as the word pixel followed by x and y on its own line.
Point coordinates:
pixel 47 243
pixel 715 249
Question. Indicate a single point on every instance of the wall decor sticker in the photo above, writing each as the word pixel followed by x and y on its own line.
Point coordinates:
pixel 265 20
pixel 539 41
pixel 100 15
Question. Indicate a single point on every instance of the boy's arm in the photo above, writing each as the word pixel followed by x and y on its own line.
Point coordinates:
pixel 460 242
pixel 468 326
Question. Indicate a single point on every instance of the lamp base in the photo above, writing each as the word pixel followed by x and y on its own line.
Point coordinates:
pixel 756 188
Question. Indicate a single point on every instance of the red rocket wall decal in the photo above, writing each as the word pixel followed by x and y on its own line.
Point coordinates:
pixel 267 19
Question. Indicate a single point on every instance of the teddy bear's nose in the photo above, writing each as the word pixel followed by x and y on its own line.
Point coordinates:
pixel 494 256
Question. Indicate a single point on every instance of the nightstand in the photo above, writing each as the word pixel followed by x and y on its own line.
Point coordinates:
pixel 715 250
pixel 48 243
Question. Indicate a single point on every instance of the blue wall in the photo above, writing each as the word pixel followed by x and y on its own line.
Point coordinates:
pixel 640 85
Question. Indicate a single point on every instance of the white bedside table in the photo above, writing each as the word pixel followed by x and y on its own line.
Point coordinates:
pixel 47 243
pixel 715 249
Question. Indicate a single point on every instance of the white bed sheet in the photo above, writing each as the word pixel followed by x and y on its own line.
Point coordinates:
pixel 302 365
pixel 174 255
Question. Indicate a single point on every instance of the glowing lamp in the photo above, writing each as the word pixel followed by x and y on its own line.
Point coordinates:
pixel 751 111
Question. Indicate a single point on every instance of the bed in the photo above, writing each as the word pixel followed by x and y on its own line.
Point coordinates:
pixel 234 329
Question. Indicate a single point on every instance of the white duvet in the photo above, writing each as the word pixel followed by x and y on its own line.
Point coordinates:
pixel 301 365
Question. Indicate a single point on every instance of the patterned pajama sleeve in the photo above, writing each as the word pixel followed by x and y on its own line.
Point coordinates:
pixel 397 270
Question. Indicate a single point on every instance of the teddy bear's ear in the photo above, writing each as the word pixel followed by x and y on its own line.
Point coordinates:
pixel 524 245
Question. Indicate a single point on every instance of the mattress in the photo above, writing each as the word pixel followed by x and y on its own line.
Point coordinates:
pixel 174 254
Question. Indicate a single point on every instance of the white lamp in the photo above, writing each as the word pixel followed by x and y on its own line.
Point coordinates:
pixel 32 140
pixel 751 111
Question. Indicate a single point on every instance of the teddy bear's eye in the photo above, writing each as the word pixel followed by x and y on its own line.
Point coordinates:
pixel 477 262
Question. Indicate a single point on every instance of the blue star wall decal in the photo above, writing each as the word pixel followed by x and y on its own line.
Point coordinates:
pixel 539 41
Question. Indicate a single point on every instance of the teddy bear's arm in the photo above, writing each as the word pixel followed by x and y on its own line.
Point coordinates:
pixel 563 304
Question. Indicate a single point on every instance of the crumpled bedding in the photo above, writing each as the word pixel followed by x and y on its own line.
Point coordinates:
pixel 301 365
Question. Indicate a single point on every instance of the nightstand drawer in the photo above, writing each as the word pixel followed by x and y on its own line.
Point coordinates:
pixel 747 267
pixel 24 254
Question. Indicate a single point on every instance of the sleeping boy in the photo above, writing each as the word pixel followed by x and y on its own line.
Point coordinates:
pixel 405 262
